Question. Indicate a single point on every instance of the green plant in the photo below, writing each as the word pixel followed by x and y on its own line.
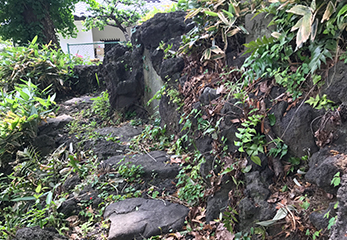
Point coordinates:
pixel 216 21
pixel 168 53
pixel 332 220
pixel 280 150
pixel 249 141
pixel 320 102
pixel 169 8
pixel 130 173
pixel 189 180
pixel 336 179
pixel 101 105
pixel 109 13
pixel 230 219
pixel 42 65
pixel 20 113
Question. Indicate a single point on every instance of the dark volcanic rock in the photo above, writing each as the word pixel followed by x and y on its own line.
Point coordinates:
pixel 294 128
pixel 336 86
pixel 208 95
pixel 162 27
pixel 123 133
pixel 339 230
pixel 323 166
pixel 86 81
pixel 154 164
pixel 33 233
pixel 319 219
pixel 220 200
pixel 138 218
pixel 171 69
pixel 123 74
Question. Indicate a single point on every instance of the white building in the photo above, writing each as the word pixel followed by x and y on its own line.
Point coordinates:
pixel 88 50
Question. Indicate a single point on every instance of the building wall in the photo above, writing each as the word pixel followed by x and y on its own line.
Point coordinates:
pixel 108 33
pixel 86 51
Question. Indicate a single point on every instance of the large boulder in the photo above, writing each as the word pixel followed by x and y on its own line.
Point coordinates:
pixel 85 79
pixel 324 165
pixel 294 128
pixel 138 218
pixel 154 164
pixel 336 85
pixel 162 27
pixel 123 74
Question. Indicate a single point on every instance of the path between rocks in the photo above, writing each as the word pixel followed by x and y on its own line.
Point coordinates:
pixel 134 218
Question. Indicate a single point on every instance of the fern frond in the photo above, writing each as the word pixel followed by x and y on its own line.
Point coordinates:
pixel 253 46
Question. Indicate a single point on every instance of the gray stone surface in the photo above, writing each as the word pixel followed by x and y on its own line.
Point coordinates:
pixel 336 85
pixel 138 218
pixel 294 128
pixel 258 26
pixel 124 133
pixel 36 233
pixel 154 164
pixel 319 220
pixel 208 95
pixel 339 230
pixel 323 166
pixel 219 201
pixel 104 149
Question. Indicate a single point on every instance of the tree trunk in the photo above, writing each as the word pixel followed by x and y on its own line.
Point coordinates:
pixel 48 28
pixel 45 23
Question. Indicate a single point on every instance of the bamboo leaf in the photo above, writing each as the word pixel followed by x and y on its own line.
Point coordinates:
pixel 300 10
pixel 223 18
pixel 213 14
pixel 328 11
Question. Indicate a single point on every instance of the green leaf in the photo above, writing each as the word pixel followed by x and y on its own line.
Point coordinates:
pixel 28 198
pixel 38 188
pixel 49 197
pixel 272 119
pixel 328 12
pixel 300 10
pixel 256 160
pixel 34 40
pixel 213 14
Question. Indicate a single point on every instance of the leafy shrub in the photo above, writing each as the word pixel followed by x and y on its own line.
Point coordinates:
pixel 101 105
pixel 20 113
pixel 294 57
pixel 43 65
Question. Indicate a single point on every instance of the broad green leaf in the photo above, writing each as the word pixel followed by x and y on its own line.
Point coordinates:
pixel 300 10
pixel 328 11
pixel 304 30
pixel 272 119
pixel 230 15
pixel 256 160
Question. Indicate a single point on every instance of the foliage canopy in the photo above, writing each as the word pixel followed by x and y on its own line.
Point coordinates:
pixel 115 13
pixel 22 20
